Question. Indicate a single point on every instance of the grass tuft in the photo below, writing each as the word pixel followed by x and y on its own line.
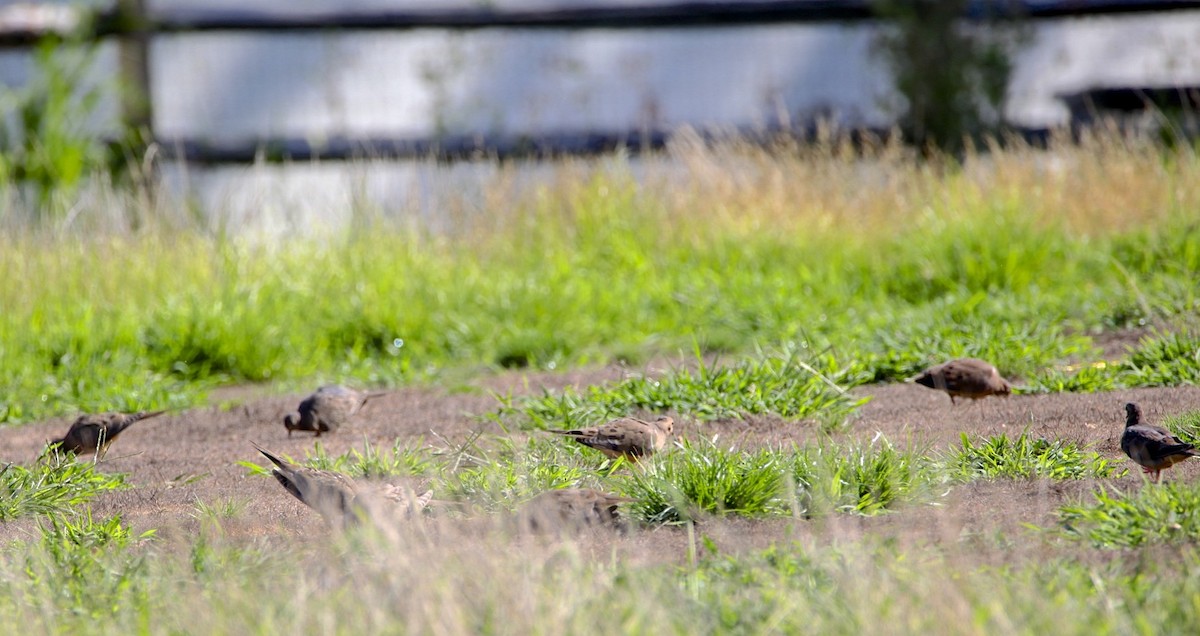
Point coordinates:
pixel 52 485
pixel 1028 457
pixel 862 480
pixel 790 383
pixel 698 479
pixel 1159 513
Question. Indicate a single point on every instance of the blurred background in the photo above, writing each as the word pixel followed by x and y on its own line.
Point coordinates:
pixel 230 102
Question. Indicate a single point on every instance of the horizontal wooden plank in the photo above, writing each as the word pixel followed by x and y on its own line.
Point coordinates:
pixel 24 23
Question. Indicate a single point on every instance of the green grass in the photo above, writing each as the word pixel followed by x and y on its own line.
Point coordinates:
pixel 774 279
pixel 790 384
pixel 744 251
pixel 1167 512
pixel 698 479
pixel 52 485
pixel 1029 457
pixel 862 480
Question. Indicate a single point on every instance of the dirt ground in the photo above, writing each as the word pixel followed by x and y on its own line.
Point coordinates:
pixel 178 459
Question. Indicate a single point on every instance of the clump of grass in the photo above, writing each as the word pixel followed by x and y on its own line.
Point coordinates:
pixel 1171 359
pixel 85 567
pixel 1029 457
pixel 52 485
pixel 860 480
pixel 1088 378
pixel 405 458
pixel 1168 512
pixel 702 478
pixel 790 383
pixel 502 473
pixel 1184 425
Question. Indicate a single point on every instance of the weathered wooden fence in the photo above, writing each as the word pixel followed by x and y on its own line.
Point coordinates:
pixel 134 26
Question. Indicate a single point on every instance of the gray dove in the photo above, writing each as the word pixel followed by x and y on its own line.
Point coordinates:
pixel 327 409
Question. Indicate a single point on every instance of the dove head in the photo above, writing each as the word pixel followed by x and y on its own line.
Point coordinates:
pixel 665 424
pixel 1133 414
pixel 289 422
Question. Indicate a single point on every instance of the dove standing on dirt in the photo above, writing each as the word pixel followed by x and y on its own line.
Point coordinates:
pixel 327 409
pixel 625 437
pixel 93 433
pixel 337 497
pixel 573 508
pixel 1154 448
pixel 965 377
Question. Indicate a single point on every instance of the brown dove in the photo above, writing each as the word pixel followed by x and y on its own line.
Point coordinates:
pixel 1152 447
pixel 93 433
pixel 327 409
pixel 337 497
pixel 965 377
pixel 573 508
pixel 625 437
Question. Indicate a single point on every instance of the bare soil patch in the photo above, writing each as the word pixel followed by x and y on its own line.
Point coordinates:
pixel 179 459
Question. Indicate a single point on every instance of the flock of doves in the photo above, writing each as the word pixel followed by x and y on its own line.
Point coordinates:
pixel 341 500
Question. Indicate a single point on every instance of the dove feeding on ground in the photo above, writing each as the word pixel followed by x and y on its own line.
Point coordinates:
pixel 965 377
pixel 339 499
pixel 93 432
pixel 326 409
pixel 573 508
pixel 1154 448
pixel 625 437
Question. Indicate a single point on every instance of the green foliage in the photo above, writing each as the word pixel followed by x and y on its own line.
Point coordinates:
pixel 52 485
pixel 1171 359
pixel 1165 359
pixel 860 480
pixel 1028 457
pixel 1186 426
pixel 500 475
pixel 1167 512
pixel 44 143
pixel 791 384
pixel 953 79
pixel 405 458
pixel 701 478
pixel 83 567
pixel 600 269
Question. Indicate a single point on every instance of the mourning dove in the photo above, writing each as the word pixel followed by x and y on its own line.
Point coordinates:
pixel 1152 447
pixel 327 409
pixel 572 508
pixel 337 497
pixel 94 432
pixel 965 377
pixel 625 437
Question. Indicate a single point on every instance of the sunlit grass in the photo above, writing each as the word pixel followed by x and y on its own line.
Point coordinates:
pixel 1159 513
pixel 1029 457
pixel 879 260
pixel 54 484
